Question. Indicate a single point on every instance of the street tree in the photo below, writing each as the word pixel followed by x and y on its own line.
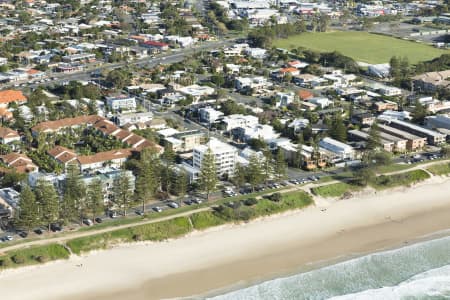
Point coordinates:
pixel 94 199
pixel 208 173
pixel 374 140
pixel 27 216
pixel 73 195
pixel 280 165
pixel 48 201
pixel 123 192
pixel 255 171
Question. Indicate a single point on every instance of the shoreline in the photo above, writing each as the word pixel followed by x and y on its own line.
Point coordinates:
pixel 229 257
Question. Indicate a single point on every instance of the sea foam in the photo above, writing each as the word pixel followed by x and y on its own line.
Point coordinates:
pixel 418 271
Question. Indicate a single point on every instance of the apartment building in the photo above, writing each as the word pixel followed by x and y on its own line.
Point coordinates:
pixel 238 120
pixel 413 143
pixel 225 156
pixel 357 135
pixel 337 150
pixel 121 102
pixel 185 141
pixel 433 137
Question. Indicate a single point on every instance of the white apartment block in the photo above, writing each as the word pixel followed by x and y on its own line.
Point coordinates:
pixel 238 120
pixel 121 102
pixel 225 156
pixel 339 150
pixel 209 114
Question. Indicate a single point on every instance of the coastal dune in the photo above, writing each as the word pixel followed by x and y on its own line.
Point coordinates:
pixel 239 255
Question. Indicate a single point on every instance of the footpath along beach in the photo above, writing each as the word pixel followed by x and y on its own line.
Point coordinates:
pixel 239 255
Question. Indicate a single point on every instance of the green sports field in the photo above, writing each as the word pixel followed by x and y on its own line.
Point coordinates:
pixel 362 46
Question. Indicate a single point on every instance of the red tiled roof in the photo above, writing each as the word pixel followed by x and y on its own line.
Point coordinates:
pixel 8 96
pixel 104 156
pixel 8 133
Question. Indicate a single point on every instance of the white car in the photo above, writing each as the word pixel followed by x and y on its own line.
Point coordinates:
pixel 173 205
pixel 157 209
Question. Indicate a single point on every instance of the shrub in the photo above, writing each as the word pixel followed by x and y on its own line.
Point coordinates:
pixel 18 259
pixel 42 258
pixel 276 197
pixel 250 201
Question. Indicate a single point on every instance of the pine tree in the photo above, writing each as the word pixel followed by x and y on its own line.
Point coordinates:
pixel 374 140
pixel 48 200
pixel 28 213
pixel 240 175
pixel 122 192
pixel 94 200
pixel 208 173
pixel 280 165
pixel 338 130
pixel 255 171
pixel 297 161
pixel 74 195
pixel 267 165
pixel 148 176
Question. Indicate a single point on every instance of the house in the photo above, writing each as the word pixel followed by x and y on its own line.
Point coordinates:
pixel 8 135
pixel 337 150
pixel 321 102
pixel 9 96
pixel 238 120
pixel 121 102
pixel 224 154
pixel 311 158
pixel 209 115
pixel 284 99
pixel 20 162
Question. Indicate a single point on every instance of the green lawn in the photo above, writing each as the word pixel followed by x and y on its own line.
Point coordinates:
pixel 362 46
pixel 333 190
pixel 441 169
pixel 402 179
pixel 33 255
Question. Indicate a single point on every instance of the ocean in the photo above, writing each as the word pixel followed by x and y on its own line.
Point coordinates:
pixel 418 271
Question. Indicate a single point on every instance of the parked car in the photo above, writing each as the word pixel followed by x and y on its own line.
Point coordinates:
pixel 139 212
pixel 88 222
pixel 55 227
pixel 173 205
pixel 23 234
pixel 113 214
pixel 38 231
pixel 197 201
pixel 157 209
pixel 98 220
pixel 188 202
pixel 7 238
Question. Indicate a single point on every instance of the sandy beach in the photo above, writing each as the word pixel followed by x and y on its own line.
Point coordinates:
pixel 238 255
